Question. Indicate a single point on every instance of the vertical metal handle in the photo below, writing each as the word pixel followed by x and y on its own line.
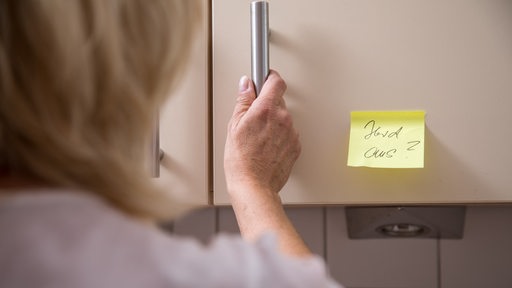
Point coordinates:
pixel 155 148
pixel 259 43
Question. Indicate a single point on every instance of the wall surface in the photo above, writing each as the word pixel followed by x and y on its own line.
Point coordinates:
pixel 483 258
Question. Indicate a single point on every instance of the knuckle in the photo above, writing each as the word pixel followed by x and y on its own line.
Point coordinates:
pixel 286 119
pixel 264 111
pixel 281 84
pixel 299 150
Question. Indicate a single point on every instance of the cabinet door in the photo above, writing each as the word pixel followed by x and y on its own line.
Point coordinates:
pixel 184 127
pixel 451 58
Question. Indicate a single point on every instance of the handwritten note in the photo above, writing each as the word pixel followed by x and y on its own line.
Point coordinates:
pixel 387 139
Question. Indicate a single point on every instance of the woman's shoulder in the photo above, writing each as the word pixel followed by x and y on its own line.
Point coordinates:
pixel 81 240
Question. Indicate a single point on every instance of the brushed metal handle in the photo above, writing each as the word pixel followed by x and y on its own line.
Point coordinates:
pixel 259 43
pixel 156 153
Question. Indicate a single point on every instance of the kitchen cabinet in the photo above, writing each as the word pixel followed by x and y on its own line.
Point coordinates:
pixel 451 59
pixel 184 127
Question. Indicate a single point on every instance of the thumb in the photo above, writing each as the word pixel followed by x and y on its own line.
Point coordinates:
pixel 246 96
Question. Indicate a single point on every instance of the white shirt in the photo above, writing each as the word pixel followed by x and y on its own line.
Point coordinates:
pixel 51 239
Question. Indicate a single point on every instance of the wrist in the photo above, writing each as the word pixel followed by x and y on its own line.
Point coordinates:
pixel 253 193
pixel 261 211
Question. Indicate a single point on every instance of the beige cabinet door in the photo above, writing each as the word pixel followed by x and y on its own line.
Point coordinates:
pixel 451 58
pixel 184 127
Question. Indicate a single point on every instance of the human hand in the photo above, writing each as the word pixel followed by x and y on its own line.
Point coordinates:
pixel 262 144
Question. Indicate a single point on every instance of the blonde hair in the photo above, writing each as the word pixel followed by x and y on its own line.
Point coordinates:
pixel 80 81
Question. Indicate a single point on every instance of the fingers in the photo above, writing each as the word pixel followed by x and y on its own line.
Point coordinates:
pixel 273 89
pixel 271 94
pixel 246 96
pixel 261 144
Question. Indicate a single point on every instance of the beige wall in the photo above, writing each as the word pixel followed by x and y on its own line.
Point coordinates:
pixel 483 258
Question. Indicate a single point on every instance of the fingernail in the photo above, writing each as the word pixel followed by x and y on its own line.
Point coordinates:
pixel 243 85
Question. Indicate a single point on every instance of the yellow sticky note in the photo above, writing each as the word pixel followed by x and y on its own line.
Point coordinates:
pixel 387 139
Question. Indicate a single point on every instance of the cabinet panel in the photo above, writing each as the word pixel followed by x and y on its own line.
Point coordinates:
pixel 451 58
pixel 184 127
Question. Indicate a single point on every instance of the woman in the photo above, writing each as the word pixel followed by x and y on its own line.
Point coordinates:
pixel 79 81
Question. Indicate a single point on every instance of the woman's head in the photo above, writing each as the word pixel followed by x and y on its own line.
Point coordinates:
pixel 79 83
